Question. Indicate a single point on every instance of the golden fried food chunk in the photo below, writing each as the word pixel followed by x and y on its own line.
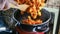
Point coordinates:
pixel 34 10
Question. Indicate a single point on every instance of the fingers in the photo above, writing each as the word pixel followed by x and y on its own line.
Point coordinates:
pixel 2 5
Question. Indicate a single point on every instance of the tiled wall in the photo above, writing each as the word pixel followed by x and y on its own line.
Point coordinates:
pixel 53 3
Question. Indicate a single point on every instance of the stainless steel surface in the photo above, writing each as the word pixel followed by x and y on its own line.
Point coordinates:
pixel 56 11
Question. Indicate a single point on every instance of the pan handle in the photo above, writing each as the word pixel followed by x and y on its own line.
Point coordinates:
pixel 16 22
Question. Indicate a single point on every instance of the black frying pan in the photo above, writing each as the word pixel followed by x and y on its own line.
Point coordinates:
pixel 46 17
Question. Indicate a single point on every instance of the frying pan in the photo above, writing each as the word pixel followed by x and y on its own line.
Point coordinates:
pixel 44 27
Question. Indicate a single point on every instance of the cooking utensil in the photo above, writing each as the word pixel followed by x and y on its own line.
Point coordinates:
pixel 44 27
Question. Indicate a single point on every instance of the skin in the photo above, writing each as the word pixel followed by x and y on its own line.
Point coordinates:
pixel 5 3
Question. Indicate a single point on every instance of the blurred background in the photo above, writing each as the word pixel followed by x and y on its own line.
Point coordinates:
pixel 53 3
pixel 51 6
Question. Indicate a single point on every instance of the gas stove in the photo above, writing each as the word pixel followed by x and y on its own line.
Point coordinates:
pixel 4 27
pixel 5 30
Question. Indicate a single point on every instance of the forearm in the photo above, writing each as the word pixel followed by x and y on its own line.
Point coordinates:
pixel 13 2
pixel 2 4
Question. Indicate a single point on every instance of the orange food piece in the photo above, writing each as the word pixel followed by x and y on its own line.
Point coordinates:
pixel 33 10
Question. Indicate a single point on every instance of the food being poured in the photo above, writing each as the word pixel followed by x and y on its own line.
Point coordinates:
pixel 34 10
